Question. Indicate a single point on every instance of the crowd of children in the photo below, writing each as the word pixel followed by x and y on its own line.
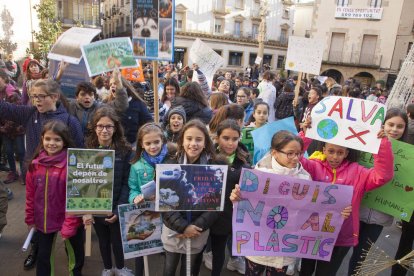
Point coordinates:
pixel 201 124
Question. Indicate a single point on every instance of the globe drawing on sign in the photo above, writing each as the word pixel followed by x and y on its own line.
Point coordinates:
pixel 327 129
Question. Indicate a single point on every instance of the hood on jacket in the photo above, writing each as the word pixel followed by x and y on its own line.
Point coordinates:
pixel 268 163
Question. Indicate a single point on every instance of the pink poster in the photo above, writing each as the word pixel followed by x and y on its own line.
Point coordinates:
pixel 285 216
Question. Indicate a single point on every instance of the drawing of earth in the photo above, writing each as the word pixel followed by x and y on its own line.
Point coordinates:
pixel 327 129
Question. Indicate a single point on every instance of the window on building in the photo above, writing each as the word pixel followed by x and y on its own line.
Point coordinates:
pixel 237 28
pixel 239 4
pixel 280 61
pixel 337 45
pixel 267 59
pixel 369 44
pixel 128 21
pixel 286 13
pixel 255 31
pixel 252 58
pixel 235 58
pixel 122 3
pixel 343 3
pixel 178 21
pixel 220 5
pixel 218 25
pixel 307 33
pixel 283 36
pixel 375 3
pixel 219 52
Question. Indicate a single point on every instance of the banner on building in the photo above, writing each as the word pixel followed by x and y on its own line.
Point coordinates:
pixel 396 197
pixel 190 187
pixel 90 178
pixel 358 13
pixel 304 54
pixel 104 55
pixel 68 46
pixel 140 230
pixel 153 29
pixel 285 216
pixel 348 122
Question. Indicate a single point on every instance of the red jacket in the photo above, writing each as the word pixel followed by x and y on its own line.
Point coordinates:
pixel 361 178
pixel 46 196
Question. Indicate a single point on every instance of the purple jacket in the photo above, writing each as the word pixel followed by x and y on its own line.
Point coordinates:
pixel 46 195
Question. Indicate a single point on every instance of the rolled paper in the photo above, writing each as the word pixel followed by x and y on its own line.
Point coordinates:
pixel 28 239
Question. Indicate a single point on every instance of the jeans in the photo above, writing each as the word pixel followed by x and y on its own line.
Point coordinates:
pixel 109 235
pixel 254 269
pixel 172 259
pixel 218 247
pixel 367 232
pixel 20 151
pixel 404 247
pixel 323 268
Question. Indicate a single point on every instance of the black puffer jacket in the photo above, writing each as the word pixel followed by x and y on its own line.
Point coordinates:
pixel 193 110
pixel 121 175
pixel 177 221
pixel 222 226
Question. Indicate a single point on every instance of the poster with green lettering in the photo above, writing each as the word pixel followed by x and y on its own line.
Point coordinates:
pixel 396 197
pixel 247 139
pixel 90 178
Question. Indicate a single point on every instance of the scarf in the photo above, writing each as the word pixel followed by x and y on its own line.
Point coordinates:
pixel 153 160
pixel 57 160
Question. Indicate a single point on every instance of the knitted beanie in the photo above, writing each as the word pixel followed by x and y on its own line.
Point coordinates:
pixel 177 110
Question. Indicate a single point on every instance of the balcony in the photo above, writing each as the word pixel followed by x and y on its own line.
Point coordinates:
pixel 220 11
pixel 369 61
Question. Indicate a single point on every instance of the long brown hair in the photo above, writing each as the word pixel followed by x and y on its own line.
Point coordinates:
pixel 208 147
pixel 218 99
pixel 231 111
pixel 119 141
pixel 193 91
pixel 144 130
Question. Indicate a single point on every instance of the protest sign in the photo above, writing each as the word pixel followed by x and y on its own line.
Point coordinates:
pixel 190 187
pixel 90 180
pixel 396 197
pixel 285 216
pixel 134 74
pixel 140 229
pixel 68 45
pixel 152 29
pixel 148 191
pixel 247 139
pixel 304 54
pixel 206 58
pixel 348 122
pixel 104 55
pixel 74 74
pixel 262 136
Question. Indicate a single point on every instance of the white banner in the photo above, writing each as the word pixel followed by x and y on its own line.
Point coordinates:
pixel 358 13
pixel 304 54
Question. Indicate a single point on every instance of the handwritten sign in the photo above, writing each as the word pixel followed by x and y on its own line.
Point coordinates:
pixel 285 216
pixel 140 230
pixel 152 29
pixel 247 139
pixel 104 55
pixel 90 178
pixel 396 197
pixel 68 45
pixel 190 187
pixel 262 136
pixel 348 122
pixel 206 58
pixel 304 54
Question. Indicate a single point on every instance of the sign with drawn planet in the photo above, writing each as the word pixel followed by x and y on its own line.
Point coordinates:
pixel 348 122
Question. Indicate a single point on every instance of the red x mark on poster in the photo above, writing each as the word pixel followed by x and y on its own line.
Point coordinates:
pixel 357 135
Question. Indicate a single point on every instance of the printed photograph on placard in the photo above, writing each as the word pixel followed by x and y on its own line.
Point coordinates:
pixel 190 187
pixel 165 38
pixel 138 46
pixel 145 19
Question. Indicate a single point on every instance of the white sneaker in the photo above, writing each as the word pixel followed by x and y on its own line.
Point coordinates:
pixel 123 272
pixel 291 269
pixel 107 272
pixel 237 263
pixel 208 260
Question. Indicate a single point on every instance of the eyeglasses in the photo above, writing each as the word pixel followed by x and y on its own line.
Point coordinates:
pixel 292 155
pixel 241 96
pixel 38 97
pixel 102 127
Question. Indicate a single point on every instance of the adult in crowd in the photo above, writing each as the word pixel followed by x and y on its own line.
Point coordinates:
pixel 268 93
pixel 33 73
pixel 13 68
pixel 284 103
pixel 171 90
pixel 101 91
pixel 232 88
pixel 194 102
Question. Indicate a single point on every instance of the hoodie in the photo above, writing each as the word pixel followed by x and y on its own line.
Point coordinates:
pixel 270 165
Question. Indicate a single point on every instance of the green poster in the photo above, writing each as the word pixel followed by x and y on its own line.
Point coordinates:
pixel 90 180
pixel 247 140
pixel 397 196
pixel 104 55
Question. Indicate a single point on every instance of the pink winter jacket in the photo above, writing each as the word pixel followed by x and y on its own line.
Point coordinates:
pixel 46 196
pixel 361 178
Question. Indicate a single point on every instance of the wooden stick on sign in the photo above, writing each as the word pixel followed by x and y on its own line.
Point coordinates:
pixel 88 237
pixel 155 88
pixel 297 90
pixel 146 267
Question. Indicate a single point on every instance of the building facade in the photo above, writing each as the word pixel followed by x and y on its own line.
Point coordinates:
pixel 230 27
pixel 366 39
pixel 85 13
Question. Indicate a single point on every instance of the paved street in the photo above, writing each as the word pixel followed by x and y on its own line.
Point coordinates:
pixel 11 256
